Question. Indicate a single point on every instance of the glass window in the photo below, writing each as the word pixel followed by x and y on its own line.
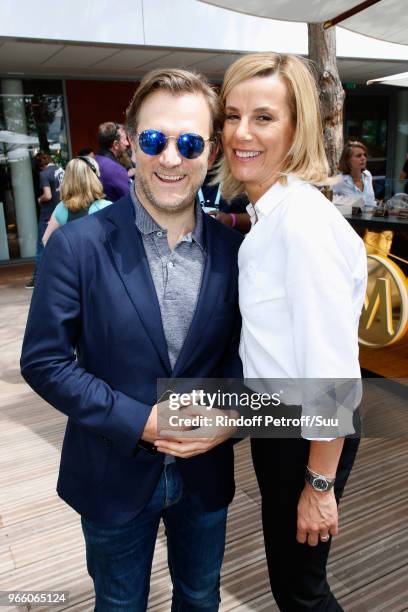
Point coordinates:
pixel 366 119
pixel 31 119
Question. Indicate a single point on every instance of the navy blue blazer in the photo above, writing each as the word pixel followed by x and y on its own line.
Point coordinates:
pixel 94 348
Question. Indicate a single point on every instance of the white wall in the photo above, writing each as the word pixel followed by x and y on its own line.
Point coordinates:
pixel 98 21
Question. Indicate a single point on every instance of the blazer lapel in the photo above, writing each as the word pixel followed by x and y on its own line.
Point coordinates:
pixel 211 288
pixel 126 247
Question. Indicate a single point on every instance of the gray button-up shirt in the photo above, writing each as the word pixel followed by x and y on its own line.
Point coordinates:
pixel 176 274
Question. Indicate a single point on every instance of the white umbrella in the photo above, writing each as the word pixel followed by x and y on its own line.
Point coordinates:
pixel 399 80
pixel 383 19
pixel 15 138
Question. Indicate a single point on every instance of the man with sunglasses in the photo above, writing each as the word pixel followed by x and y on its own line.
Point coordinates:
pixel 113 143
pixel 144 291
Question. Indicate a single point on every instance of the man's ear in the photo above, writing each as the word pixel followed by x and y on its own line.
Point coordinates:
pixel 215 149
pixel 133 146
pixel 133 149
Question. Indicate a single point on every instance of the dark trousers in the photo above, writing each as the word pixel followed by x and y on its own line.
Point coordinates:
pixel 119 558
pixel 297 572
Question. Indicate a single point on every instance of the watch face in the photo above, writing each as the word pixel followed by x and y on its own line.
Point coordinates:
pixel 320 484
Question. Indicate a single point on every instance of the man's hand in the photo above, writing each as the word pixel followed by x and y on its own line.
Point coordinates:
pixel 186 441
pixel 188 447
pixel 317 516
pixel 157 421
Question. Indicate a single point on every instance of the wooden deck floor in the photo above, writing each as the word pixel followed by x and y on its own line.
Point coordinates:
pixel 41 542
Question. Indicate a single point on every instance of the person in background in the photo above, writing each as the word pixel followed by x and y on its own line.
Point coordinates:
pixel 302 281
pixel 51 177
pixel 404 174
pixel 113 143
pixel 81 194
pixel 356 180
pixel 86 152
pixel 233 214
pixel 126 161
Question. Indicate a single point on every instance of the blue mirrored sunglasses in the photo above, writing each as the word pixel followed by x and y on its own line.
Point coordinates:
pixel 153 142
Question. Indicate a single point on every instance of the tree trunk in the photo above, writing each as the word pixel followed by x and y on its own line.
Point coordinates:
pixel 322 52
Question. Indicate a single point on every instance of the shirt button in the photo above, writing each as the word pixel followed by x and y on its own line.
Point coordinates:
pixel 171 264
pixel 159 234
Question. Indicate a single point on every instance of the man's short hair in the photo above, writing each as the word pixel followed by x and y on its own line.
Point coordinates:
pixel 176 82
pixel 108 132
pixel 42 159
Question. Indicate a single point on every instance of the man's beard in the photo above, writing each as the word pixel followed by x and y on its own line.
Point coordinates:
pixel 142 188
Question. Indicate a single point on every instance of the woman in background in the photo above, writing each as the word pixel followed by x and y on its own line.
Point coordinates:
pixel 356 180
pixel 81 194
pixel 302 280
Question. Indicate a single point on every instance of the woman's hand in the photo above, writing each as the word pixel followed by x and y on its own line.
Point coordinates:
pixel 241 221
pixel 317 516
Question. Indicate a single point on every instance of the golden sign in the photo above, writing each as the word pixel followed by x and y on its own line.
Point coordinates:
pixel 384 319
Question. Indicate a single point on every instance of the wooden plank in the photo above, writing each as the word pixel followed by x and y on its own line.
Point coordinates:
pixel 385 594
pixel 368 530
pixel 366 565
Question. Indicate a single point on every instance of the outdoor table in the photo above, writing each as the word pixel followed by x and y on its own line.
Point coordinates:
pixel 378 224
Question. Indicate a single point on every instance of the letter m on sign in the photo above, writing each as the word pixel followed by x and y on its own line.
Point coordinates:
pixel 379 306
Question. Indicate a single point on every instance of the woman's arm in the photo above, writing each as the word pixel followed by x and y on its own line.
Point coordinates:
pixel 51 227
pixel 324 260
pixel 317 510
pixel 46 195
pixel 239 221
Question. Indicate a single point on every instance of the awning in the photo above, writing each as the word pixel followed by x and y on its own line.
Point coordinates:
pixel 399 80
pixel 383 19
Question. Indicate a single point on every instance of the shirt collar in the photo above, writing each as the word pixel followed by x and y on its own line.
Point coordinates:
pixel 107 153
pixel 364 177
pixel 147 225
pixel 273 197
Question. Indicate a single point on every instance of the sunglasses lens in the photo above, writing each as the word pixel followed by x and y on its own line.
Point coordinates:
pixel 190 145
pixel 152 142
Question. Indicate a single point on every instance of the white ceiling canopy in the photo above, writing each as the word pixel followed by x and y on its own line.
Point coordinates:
pixel 398 80
pixel 383 19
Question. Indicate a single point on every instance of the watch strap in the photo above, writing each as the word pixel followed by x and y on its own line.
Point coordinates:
pixel 319 482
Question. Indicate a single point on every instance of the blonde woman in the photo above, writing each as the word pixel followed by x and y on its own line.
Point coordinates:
pixel 81 194
pixel 302 279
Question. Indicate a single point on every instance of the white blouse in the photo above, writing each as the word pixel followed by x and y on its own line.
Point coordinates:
pixel 347 187
pixel 302 282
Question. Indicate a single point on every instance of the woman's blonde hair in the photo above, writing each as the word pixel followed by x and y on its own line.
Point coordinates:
pixel 306 158
pixel 81 185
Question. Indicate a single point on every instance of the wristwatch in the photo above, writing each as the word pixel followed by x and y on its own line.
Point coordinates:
pixel 319 482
